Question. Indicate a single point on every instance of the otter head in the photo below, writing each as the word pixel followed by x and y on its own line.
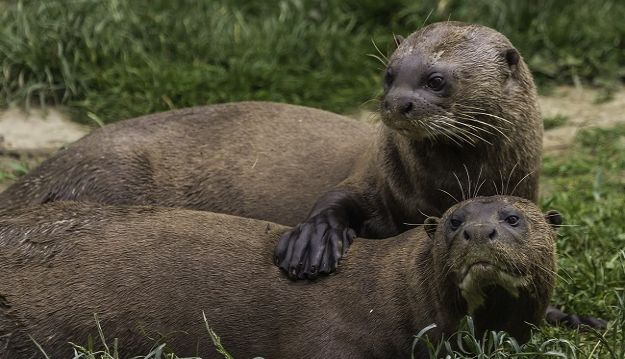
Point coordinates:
pixel 495 259
pixel 456 82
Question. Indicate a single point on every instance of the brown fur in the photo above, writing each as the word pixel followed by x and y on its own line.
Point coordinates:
pixel 157 269
pixel 255 159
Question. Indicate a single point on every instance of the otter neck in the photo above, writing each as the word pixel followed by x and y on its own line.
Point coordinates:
pixel 404 160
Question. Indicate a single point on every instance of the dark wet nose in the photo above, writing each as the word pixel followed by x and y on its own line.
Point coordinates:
pixel 405 105
pixel 402 105
pixel 480 232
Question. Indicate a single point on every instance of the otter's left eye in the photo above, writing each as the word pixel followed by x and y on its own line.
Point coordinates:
pixel 512 220
pixel 436 82
pixel 455 223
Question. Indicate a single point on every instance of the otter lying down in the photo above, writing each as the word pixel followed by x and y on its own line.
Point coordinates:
pixel 148 271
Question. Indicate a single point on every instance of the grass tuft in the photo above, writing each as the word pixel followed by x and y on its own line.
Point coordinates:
pixel 117 59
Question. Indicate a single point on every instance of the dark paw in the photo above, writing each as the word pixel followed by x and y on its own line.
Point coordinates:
pixel 556 317
pixel 313 247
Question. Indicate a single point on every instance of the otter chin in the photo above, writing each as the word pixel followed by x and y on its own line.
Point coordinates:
pixel 481 276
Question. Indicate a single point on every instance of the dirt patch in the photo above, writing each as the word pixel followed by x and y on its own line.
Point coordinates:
pixel 27 138
pixel 580 108
pixel 37 130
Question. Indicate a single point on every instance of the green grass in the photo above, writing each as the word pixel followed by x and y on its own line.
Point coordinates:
pixel 113 59
pixel 554 121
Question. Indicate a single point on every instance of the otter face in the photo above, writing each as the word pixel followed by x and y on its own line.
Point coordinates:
pixel 451 81
pixel 498 244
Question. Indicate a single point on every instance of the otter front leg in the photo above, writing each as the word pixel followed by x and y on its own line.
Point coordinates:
pixel 315 246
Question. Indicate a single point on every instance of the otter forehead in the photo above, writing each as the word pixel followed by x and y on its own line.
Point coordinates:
pixel 445 39
pixel 485 206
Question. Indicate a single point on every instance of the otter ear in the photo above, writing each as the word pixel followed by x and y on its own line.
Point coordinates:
pixel 398 39
pixel 512 57
pixel 430 225
pixel 553 218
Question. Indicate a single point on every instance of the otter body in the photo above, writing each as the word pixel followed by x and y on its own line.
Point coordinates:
pixel 149 270
pixel 254 159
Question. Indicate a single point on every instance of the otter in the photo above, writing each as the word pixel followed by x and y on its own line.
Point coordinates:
pixel 458 102
pixel 145 270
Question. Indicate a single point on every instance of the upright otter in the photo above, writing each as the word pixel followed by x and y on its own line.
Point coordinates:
pixel 147 270
pixel 458 101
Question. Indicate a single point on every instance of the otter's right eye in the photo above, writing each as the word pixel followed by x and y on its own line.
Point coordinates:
pixel 388 78
pixel 436 82
pixel 455 223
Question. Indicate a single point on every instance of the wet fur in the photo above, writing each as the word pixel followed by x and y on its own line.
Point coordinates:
pixel 254 159
pixel 157 269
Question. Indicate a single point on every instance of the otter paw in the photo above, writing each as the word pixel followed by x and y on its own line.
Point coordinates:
pixel 556 317
pixel 313 247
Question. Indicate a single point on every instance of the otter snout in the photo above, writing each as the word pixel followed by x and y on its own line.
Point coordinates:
pixel 480 232
pixel 401 106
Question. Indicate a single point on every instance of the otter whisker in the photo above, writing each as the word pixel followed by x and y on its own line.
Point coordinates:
pixel 460 185
pixel 469 118
pixel 385 62
pixel 377 58
pixel 461 135
pixel 479 175
pixel 519 182
pixel 501 177
pixel 490 115
pixel 477 191
pixel 496 188
pixel 481 111
pixel 477 128
pixel 510 175
pixel 449 194
pixel 468 134
pixel 466 169
pixel 443 131
pixel 431 136
pixel 427 17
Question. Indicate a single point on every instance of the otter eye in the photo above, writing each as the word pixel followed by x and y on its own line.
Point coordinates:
pixel 455 223
pixel 512 220
pixel 436 82
pixel 388 78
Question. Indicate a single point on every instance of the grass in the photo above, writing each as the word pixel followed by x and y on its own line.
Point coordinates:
pixel 554 121
pixel 109 59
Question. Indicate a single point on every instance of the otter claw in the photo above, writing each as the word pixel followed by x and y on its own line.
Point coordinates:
pixel 313 247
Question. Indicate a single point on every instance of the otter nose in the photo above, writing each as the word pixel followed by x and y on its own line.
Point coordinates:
pixel 480 232
pixel 405 105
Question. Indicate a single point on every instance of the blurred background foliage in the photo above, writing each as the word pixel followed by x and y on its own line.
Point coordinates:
pixel 112 59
